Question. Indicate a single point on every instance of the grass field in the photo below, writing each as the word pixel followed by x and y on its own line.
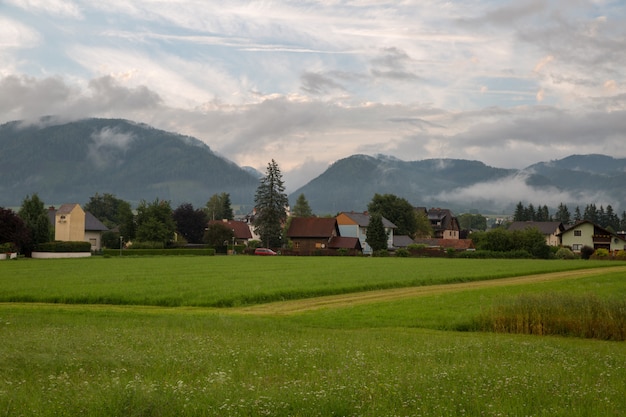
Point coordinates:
pixel 165 349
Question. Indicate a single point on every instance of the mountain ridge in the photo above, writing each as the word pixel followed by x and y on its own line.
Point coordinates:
pixel 72 161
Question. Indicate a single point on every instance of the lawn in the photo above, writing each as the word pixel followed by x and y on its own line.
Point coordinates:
pixel 389 358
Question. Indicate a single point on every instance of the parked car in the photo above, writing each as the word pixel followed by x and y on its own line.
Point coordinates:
pixel 264 252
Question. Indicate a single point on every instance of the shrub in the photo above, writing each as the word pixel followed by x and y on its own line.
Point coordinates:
pixel 383 253
pixel 342 251
pixel 451 252
pixel 7 247
pixel 620 255
pixel 402 253
pixel 600 254
pixel 586 252
pixel 416 246
pixel 147 245
pixel 59 246
pixel 565 253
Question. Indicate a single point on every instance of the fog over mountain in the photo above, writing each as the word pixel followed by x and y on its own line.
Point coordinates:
pixel 70 162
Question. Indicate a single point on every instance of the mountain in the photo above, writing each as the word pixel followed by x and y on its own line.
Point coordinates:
pixel 462 185
pixel 70 162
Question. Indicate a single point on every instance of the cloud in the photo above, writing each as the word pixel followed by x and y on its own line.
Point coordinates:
pixel 108 147
pixel 53 7
pixel 504 193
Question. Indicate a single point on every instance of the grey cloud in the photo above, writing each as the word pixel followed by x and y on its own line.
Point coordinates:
pixel 28 98
pixel 107 146
pixel 316 83
pixel 508 14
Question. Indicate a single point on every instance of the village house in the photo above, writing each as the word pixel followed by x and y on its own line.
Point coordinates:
pixel 586 233
pixel 72 224
pixel 550 230
pixel 353 224
pixel 309 235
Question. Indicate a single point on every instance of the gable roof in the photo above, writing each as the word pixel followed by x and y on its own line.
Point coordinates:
pixel 313 227
pixel 67 208
pixel 546 228
pixel 343 242
pixel 240 229
pixel 363 219
pixel 91 222
pixel 402 241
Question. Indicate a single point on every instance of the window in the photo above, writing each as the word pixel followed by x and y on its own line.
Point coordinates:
pixel 577 247
pixel 578 233
pixel 296 244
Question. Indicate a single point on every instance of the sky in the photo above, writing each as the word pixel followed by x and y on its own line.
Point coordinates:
pixel 306 83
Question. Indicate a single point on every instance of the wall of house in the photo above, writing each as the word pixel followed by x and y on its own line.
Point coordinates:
pixel 70 227
pixel 571 239
pixel 95 238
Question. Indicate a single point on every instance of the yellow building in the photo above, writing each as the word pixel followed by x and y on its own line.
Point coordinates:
pixel 69 223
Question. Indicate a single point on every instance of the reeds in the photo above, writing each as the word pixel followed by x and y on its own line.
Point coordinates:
pixel 585 316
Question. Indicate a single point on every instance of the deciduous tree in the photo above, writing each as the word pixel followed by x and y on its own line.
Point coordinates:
pixel 113 212
pixel 397 210
pixel 190 222
pixel 155 222
pixel 12 229
pixel 35 217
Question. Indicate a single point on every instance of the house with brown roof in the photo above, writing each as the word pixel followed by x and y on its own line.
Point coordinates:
pixel 309 235
pixel 586 233
pixel 444 224
pixel 240 229
pixel 353 224
pixel 550 230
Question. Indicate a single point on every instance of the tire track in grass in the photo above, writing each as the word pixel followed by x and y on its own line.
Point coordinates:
pixel 346 300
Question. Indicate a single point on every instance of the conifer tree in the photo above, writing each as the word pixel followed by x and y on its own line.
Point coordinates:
pixel 302 207
pixel 270 202
pixel 376 236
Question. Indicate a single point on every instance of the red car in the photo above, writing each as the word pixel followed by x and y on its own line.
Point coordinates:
pixel 264 252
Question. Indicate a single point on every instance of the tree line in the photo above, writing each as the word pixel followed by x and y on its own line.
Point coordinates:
pixel 604 217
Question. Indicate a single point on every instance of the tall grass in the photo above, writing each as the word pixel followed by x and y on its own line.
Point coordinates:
pixel 560 314
pixel 136 361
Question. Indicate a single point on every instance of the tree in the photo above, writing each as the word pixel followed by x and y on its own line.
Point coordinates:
pixel 12 229
pixel 468 221
pixel 423 227
pixel 218 207
pixel 190 223
pixel 270 202
pixel 376 236
pixel 35 218
pixel 218 233
pixel 155 222
pixel 562 214
pixel 577 216
pixel 520 213
pixel 113 212
pixel 302 208
pixel 397 210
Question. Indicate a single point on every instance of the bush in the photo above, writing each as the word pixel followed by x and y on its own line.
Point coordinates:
pixel 148 245
pixel 59 246
pixel 451 252
pixel 383 253
pixel 7 247
pixel 402 253
pixel 620 255
pixel 586 252
pixel 600 254
pixel 416 246
pixel 565 253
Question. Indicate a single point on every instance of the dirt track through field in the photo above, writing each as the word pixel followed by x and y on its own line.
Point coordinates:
pixel 345 300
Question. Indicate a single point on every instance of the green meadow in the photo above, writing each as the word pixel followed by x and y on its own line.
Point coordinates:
pixel 180 336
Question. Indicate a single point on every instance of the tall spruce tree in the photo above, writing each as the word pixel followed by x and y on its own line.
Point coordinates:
pixel 270 201
pixel 302 207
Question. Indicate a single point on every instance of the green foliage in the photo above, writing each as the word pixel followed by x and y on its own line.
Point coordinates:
pixel 218 234
pixel 402 253
pixel 423 227
pixel 190 223
pixel 113 212
pixel 565 253
pixel 59 246
pixel 397 210
pixel 469 221
pixel 36 220
pixel 586 252
pixel 271 203
pixel 146 249
pixel 7 247
pixel 13 230
pixel 376 236
pixel 530 241
pixel 155 222
pixel 600 253
pixel 301 208
pixel 219 207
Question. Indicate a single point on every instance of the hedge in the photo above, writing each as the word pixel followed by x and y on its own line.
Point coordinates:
pixel 159 252
pixel 60 246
